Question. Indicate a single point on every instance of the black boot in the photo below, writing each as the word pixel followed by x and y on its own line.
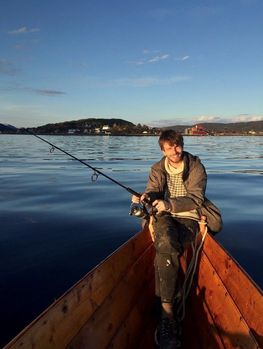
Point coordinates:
pixel 166 334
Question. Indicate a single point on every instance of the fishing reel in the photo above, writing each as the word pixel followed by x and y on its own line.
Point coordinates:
pixel 138 210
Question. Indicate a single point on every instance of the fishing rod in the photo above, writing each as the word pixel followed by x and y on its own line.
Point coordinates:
pixel 137 209
pixel 96 171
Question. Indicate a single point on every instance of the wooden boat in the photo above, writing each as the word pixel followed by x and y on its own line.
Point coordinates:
pixel 112 306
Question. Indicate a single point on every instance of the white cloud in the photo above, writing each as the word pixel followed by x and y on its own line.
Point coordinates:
pixel 158 58
pixel 146 51
pixel 190 120
pixel 207 118
pixel 168 122
pixel 181 59
pixel 155 59
pixel 227 118
pixel 23 30
pixel 247 117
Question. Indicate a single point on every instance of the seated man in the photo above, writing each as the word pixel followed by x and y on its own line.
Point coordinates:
pixel 176 188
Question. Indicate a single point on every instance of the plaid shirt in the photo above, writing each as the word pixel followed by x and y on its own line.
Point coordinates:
pixel 175 185
pixel 176 188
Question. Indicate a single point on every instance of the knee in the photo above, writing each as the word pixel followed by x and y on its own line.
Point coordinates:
pixel 165 245
pixel 162 246
pixel 166 261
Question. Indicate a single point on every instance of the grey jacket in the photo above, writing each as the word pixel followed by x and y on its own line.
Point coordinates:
pixel 195 179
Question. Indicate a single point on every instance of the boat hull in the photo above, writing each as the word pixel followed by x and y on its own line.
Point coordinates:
pixel 113 305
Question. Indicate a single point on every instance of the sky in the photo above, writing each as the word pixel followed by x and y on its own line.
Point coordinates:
pixel 152 62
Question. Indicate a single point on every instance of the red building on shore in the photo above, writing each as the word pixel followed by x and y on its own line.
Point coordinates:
pixel 197 130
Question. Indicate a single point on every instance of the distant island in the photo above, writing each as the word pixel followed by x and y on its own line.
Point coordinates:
pixel 115 127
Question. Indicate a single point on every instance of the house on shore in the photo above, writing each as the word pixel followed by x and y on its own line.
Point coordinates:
pixel 196 130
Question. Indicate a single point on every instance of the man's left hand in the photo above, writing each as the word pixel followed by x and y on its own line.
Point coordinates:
pixel 161 205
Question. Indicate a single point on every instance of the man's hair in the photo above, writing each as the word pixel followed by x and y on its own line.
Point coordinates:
pixel 172 137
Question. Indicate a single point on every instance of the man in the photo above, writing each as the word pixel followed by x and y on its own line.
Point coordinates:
pixel 176 188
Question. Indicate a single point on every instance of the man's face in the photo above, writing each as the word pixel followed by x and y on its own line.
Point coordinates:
pixel 173 152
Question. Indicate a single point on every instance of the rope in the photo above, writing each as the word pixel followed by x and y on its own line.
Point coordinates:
pixel 189 275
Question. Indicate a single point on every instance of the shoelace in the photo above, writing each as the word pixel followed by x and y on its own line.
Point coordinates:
pixel 168 332
pixel 167 328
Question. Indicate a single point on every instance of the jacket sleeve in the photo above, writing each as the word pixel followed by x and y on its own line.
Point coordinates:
pixel 195 186
pixel 155 187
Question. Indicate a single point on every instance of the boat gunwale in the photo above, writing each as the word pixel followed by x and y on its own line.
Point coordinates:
pixel 148 242
pixel 144 241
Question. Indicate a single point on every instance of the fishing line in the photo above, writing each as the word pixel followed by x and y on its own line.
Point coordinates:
pixel 96 173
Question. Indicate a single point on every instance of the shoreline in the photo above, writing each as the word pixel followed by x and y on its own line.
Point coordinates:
pixel 134 135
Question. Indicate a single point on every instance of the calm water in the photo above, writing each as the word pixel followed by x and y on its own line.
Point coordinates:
pixel 56 224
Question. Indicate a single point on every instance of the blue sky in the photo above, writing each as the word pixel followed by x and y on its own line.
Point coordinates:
pixel 152 62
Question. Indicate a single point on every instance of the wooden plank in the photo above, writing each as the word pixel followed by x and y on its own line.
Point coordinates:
pixel 245 293
pixel 232 328
pixel 57 325
pixel 104 323
pixel 199 329
pixel 190 336
pixel 136 323
pixel 147 338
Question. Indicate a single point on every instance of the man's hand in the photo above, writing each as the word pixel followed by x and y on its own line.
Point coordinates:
pixel 162 206
pixel 137 200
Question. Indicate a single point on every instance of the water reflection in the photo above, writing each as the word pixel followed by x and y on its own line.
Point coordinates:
pixel 56 224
